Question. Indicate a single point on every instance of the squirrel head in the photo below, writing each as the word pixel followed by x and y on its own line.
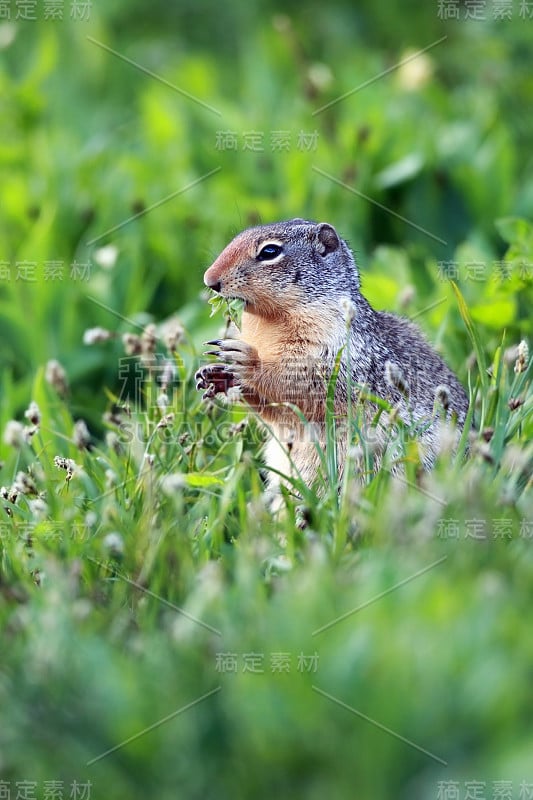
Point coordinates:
pixel 275 268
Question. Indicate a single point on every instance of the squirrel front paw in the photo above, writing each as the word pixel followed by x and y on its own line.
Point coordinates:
pixel 214 379
pixel 236 363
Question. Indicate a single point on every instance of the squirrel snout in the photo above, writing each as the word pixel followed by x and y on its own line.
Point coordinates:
pixel 212 279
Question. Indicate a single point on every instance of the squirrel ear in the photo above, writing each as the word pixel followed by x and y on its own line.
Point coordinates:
pixel 328 239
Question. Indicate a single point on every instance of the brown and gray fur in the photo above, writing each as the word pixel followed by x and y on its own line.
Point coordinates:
pixel 295 323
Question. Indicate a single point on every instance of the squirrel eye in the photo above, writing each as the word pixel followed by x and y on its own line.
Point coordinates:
pixel 269 251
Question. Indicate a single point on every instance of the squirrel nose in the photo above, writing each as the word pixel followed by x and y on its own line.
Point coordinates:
pixel 212 276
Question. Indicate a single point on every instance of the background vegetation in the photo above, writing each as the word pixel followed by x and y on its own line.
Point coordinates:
pixel 149 604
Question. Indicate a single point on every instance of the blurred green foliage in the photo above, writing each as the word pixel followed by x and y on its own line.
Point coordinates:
pixel 128 161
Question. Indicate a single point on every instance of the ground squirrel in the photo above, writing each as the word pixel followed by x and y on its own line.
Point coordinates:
pixel 302 307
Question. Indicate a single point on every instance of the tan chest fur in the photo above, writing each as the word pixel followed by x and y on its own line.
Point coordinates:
pixel 303 334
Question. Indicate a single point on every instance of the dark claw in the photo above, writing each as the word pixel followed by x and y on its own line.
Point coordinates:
pixel 216 342
pixel 205 384
pixel 213 379
pixel 209 368
pixel 200 379
pixel 209 393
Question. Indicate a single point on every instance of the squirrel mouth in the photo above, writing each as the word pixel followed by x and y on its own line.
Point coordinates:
pixel 242 300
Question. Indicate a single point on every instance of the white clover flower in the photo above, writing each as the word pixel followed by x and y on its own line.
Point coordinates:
pixel 96 335
pixel 106 256
pixel 56 376
pixel 114 544
pixel 33 413
pixel 81 435
pixel 14 434
pixel 172 483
